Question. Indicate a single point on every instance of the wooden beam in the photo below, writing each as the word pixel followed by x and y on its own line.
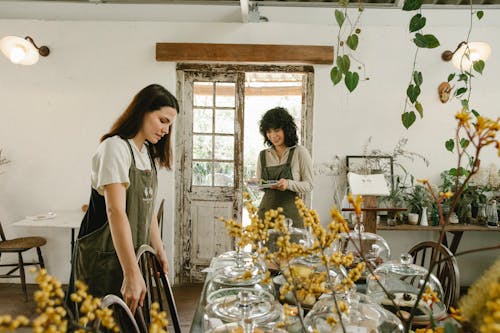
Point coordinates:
pixel 254 53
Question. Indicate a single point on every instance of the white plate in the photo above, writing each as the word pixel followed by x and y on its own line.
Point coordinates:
pixel 40 217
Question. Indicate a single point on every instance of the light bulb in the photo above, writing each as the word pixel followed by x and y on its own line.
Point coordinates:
pixel 17 54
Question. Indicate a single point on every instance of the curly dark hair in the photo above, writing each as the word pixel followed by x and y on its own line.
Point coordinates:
pixel 279 117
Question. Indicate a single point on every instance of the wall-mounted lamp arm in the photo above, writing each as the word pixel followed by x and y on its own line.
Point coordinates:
pixel 43 50
pixel 447 55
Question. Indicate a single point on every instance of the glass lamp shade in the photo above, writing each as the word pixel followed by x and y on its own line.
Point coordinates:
pixel 465 56
pixel 19 51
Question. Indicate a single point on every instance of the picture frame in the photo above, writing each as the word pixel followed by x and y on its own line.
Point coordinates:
pixel 372 164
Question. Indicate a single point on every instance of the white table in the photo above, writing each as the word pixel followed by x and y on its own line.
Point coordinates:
pixel 63 219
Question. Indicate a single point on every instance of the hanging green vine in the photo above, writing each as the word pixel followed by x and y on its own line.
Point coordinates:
pixel 421 40
pixel 345 47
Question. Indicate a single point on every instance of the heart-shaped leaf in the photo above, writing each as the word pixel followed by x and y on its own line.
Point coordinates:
pixel 450 145
pixel 335 75
pixel 480 14
pixel 465 103
pixel 410 5
pixel 426 41
pixel 344 63
pixel 408 118
pixel 463 77
pixel 352 41
pixel 417 22
pixel 417 78
pixel 460 91
pixel 351 80
pixel 339 17
pixel 451 77
pixel 464 142
pixel 412 92
pixel 420 109
pixel 478 66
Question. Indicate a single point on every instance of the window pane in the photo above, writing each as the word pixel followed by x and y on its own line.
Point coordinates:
pixel 223 174
pixel 224 121
pixel 202 173
pixel 203 94
pixel 224 147
pixel 225 94
pixel 202 120
pixel 202 147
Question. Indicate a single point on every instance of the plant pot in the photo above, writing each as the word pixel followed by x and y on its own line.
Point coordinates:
pixel 413 218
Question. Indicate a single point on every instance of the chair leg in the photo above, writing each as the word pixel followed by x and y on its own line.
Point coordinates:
pixel 22 276
pixel 40 258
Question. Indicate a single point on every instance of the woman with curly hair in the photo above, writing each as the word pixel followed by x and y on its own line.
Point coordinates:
pixel 286 162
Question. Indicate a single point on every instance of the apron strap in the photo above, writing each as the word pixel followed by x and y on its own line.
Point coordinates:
pixel 290 155
pixel 263 163
pixel 131 151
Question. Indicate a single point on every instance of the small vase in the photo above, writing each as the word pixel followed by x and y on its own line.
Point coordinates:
pixel 413 218
pixel 423 221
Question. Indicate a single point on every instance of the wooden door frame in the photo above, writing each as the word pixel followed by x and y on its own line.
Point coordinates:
pixel 183 227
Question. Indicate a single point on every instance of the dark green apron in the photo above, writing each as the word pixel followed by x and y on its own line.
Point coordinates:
pixel 274 198
pixel 96 261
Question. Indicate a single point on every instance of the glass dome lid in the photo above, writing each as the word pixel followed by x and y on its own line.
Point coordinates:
pixel 374 247
pixel 297 235
pixel 246 306
pixel 403 281
pixel 363 315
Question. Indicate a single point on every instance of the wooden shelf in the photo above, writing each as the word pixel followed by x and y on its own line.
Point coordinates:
pixel 376 209
pixel 449 228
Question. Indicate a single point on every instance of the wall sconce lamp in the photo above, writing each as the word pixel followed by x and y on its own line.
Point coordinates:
pixel 22 51
pixel 466 54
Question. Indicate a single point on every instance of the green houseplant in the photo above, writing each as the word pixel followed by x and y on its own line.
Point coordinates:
pixel 417 198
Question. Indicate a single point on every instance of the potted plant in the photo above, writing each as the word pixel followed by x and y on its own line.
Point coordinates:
pixel 417 199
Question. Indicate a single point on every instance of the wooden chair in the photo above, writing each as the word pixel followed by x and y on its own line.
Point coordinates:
pixel 157 285
pixel 20 245
pixel 122 315
pixel 159 217
pixel 446 270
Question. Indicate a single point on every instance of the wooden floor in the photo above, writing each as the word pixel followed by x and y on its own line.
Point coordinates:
pixel 12 302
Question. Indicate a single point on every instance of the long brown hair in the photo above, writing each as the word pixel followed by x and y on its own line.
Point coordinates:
pixel 149 99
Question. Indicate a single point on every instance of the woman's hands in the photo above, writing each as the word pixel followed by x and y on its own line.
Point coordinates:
pixel 133 290
pixel 281 185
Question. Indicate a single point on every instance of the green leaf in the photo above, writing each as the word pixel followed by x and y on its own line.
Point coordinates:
pixel 408 118
pixel 339 16
pixel 352 41
pixel 464 142
pixel 451 77
pixel 453 172
pixel 335 75
pixel 417 22
pixel 420 109
pixel 480 14
pixel 461 171
pixel 465 103
pixel 426 41
pixel 460 91
pixel 412 92
pixel 351 80
pixel 463 77
pixel 450 328
pixel 475 113
pixel 410 5
pixel 344 63
pixel 450 145
pixel 478 66
pixel 417 78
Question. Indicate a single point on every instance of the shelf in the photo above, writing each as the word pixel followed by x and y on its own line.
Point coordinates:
pixel 376 209
pixel 448 228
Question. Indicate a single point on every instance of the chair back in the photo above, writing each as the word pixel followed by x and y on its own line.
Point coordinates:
pixel 157 286
pixel 121 314
pixel 446 268
pixel 2 234
pixel 159 217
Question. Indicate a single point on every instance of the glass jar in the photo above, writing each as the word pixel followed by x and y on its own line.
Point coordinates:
pixel 363 315
pixel 492 214
pixel 402 281
pixel 297 235
pixel 373 246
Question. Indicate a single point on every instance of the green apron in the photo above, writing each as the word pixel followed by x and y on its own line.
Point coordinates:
pixel 96 261
pixel 274 198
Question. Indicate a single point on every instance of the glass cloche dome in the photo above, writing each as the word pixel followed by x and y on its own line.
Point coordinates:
pixel 363 315
pixel 403 281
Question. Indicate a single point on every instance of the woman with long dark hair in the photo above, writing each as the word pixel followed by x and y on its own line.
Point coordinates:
pixel 121 216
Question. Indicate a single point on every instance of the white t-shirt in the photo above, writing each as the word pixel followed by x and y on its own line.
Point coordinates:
pixel 112 160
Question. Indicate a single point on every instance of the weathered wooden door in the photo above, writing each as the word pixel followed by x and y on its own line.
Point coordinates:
pixel 210 140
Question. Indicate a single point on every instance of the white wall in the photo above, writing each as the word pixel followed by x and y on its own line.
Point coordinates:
pixel 53 113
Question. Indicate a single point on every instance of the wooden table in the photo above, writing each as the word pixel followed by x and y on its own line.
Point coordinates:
pixel 456 230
